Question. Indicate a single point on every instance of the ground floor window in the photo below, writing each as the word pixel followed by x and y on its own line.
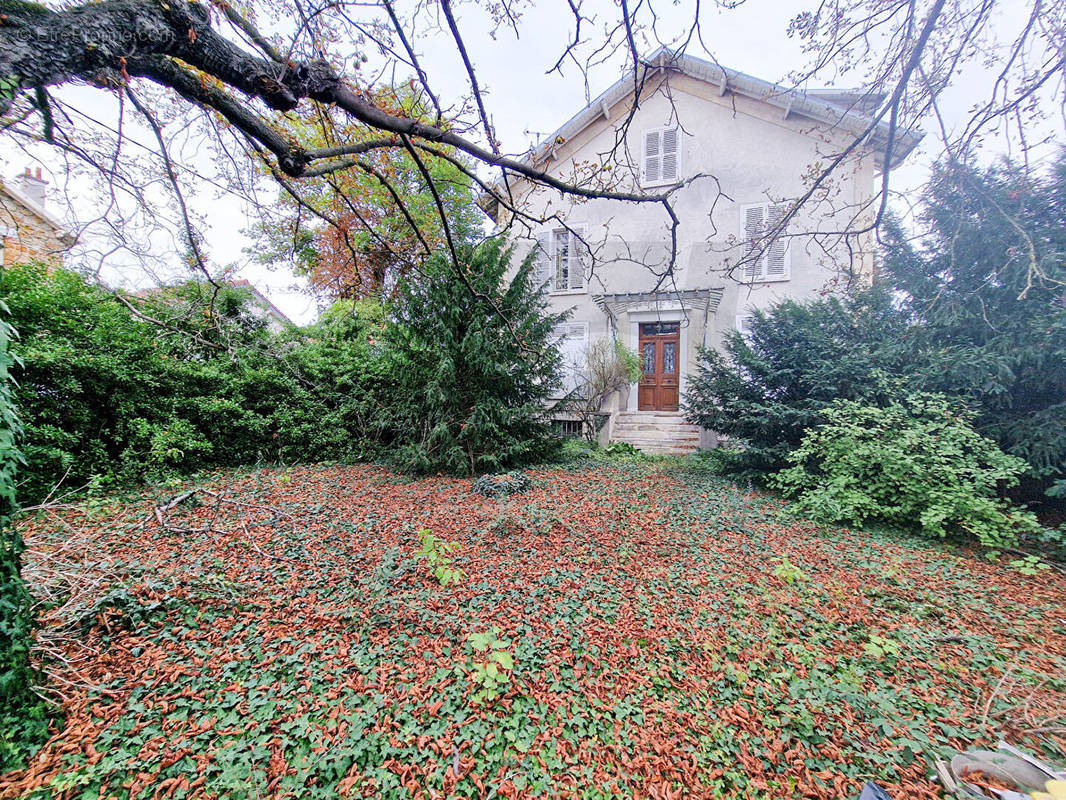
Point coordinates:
pixel 572 339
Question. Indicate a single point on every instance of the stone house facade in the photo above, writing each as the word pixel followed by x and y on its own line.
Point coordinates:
pixel 28 231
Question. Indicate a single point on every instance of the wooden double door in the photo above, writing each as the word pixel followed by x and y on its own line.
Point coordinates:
pixel 660 354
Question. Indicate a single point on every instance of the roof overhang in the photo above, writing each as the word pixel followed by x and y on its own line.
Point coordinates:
pixel 614 305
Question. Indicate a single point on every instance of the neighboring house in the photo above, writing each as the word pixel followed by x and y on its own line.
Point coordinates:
pixel 760 142
pixel 276 320
pixel 260 304
pixel 28 231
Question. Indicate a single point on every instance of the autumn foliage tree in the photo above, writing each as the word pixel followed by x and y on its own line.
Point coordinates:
pixel 355 233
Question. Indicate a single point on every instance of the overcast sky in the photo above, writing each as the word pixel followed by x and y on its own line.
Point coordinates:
pixel 524 103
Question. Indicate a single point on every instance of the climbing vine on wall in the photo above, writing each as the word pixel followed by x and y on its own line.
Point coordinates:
pixel 23 715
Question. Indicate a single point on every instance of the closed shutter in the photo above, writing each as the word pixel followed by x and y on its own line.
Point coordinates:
pixel 542 258
pixel 652 154
pixel 777 254
pixel 671 163
pixel 661 158
pixel 774 263
pixel 572 343
pixel 578 257
pixel 754 220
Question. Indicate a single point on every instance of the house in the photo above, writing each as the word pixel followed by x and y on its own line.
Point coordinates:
pixel 262 307
pixel 259 304
pixel 605 259
pixel 28 231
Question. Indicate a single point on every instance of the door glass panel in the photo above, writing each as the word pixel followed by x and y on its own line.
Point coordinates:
pixel 649 358
pixel 669 357
pixel 659 328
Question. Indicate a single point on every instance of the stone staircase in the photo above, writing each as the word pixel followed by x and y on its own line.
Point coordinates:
pixel 660 432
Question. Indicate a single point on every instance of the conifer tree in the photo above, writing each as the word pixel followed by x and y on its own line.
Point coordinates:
pixel 986 286
pixel 477 363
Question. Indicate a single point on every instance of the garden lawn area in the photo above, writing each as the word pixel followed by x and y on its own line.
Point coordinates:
pixel 653 631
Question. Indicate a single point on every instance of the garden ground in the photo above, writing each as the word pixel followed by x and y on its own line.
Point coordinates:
pixel 626 630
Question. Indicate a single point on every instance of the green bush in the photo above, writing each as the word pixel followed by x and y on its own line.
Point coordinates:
pixel 915 463
pixel 105 392
pixel 766 390
pixel 190 377
pixel 475 365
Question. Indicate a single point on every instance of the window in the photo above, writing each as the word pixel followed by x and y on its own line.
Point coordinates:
pixel 775 263
pixel 570 428
pixel 648 358
pixel 660 161
pixel 562 258
pixel 5 234
pixel 572 340
pixel 669 357
pixel 744 325
pixel 659 328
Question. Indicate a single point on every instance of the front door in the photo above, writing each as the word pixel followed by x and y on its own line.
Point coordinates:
pixel 660 345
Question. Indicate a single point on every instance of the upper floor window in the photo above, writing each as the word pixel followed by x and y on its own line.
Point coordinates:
pixel 660 161
pixel 775 262
pixel 562 258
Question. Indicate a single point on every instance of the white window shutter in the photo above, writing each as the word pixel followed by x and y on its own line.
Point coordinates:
pixel 652 156
pixel 560 259
pixel 671 155
pixel 543 258
pixel 777 254
pixel 754 224
pixel 572 341
pixel 577 257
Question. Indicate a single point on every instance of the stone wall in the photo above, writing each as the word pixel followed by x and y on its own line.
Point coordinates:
pixel 28 237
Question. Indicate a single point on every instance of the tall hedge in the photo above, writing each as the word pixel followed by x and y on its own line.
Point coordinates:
pixel 453 376
pixel 104 391
pixel 23 715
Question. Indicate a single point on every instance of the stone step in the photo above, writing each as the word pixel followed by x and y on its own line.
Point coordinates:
pixel 641 441
pixel 657 436
pixel 659 432
pixel 665 415
pixel 663 448
pixel 653 424
pixel 658 429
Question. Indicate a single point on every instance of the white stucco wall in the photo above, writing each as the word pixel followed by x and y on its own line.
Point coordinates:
pixel 755 153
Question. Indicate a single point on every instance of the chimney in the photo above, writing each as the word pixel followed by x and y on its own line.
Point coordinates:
pixel 34 186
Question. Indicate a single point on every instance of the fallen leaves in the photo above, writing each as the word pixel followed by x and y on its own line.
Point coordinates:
pixel 663 636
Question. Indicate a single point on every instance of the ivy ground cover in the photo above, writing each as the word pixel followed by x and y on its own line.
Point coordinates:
pixel 611 631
